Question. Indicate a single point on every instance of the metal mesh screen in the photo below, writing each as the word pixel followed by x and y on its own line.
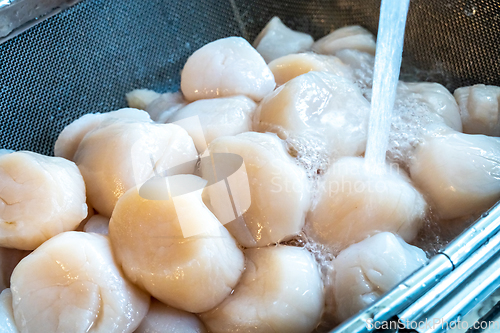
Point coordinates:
pixel 86 58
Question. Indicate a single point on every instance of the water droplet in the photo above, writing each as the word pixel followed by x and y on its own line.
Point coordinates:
pixel 470 9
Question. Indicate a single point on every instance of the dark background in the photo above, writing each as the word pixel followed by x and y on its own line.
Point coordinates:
pixel 86 58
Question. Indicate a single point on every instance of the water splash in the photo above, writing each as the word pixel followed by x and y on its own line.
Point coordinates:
pixel 385 79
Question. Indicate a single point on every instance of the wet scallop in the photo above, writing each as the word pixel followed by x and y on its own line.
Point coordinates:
pixel 69 139
pixel 355 203
pixel 121 154
pixel 170 244
pixel 226 67
pixel 211 251
pixel 287 67
pixel 40 197
pixel 458 172
pixel 280 291
pixel 277 40
pixel 480 109
pixel 439 102
pixel 366 270
pixel 418 108
pixel 350 37
pixel 162 318
pixel 361 64
pixel 319 105
pixel 71 283
pixel 207 119
pixel 276 189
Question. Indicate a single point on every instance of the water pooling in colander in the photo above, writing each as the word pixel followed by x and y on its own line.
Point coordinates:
pixel 308 186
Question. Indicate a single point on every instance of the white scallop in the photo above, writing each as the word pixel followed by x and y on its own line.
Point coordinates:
pixel 277 40
pixel 217 117
pixel 317 104
pixel 439 101
pixel 154 242
pixel 123 153
pixel 69 139
pixel 72 284
pixel 287 67
pixel 280 291
pixel 460 173
pixel 226 67
pixel 355 203
pixel 162 318
pixel 40 196
pixel 480 109
pixel 361 64
pixel 279 190
pixel 350 37
pixel 366 270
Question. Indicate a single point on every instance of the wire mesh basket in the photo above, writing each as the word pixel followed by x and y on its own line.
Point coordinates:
pixel 86 57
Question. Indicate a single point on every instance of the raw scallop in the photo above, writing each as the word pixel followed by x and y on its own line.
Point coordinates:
pixel 438 100
pixel 366 270
pixel 355 203
pixel 277 40
pixel 317 104
pixel 480 109
pixel 216 117
pixel 460 173
pixel 361 64
pixel 121 154
pixel 226 67
pixel 173 246
pixel 71 283
pixel 40 197
pixel 278 189
pixel 286 68
pixel 162 318
pixel 280 291
pixel 69 139
pixel 351 37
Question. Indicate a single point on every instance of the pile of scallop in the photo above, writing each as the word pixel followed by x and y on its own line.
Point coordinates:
pixel 283 229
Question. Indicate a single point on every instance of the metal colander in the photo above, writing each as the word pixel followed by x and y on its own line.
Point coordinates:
pixel 85 58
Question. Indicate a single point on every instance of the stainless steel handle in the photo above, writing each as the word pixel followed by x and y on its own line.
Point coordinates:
pixel 17 16
pixel 435 299
pixel 472 249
